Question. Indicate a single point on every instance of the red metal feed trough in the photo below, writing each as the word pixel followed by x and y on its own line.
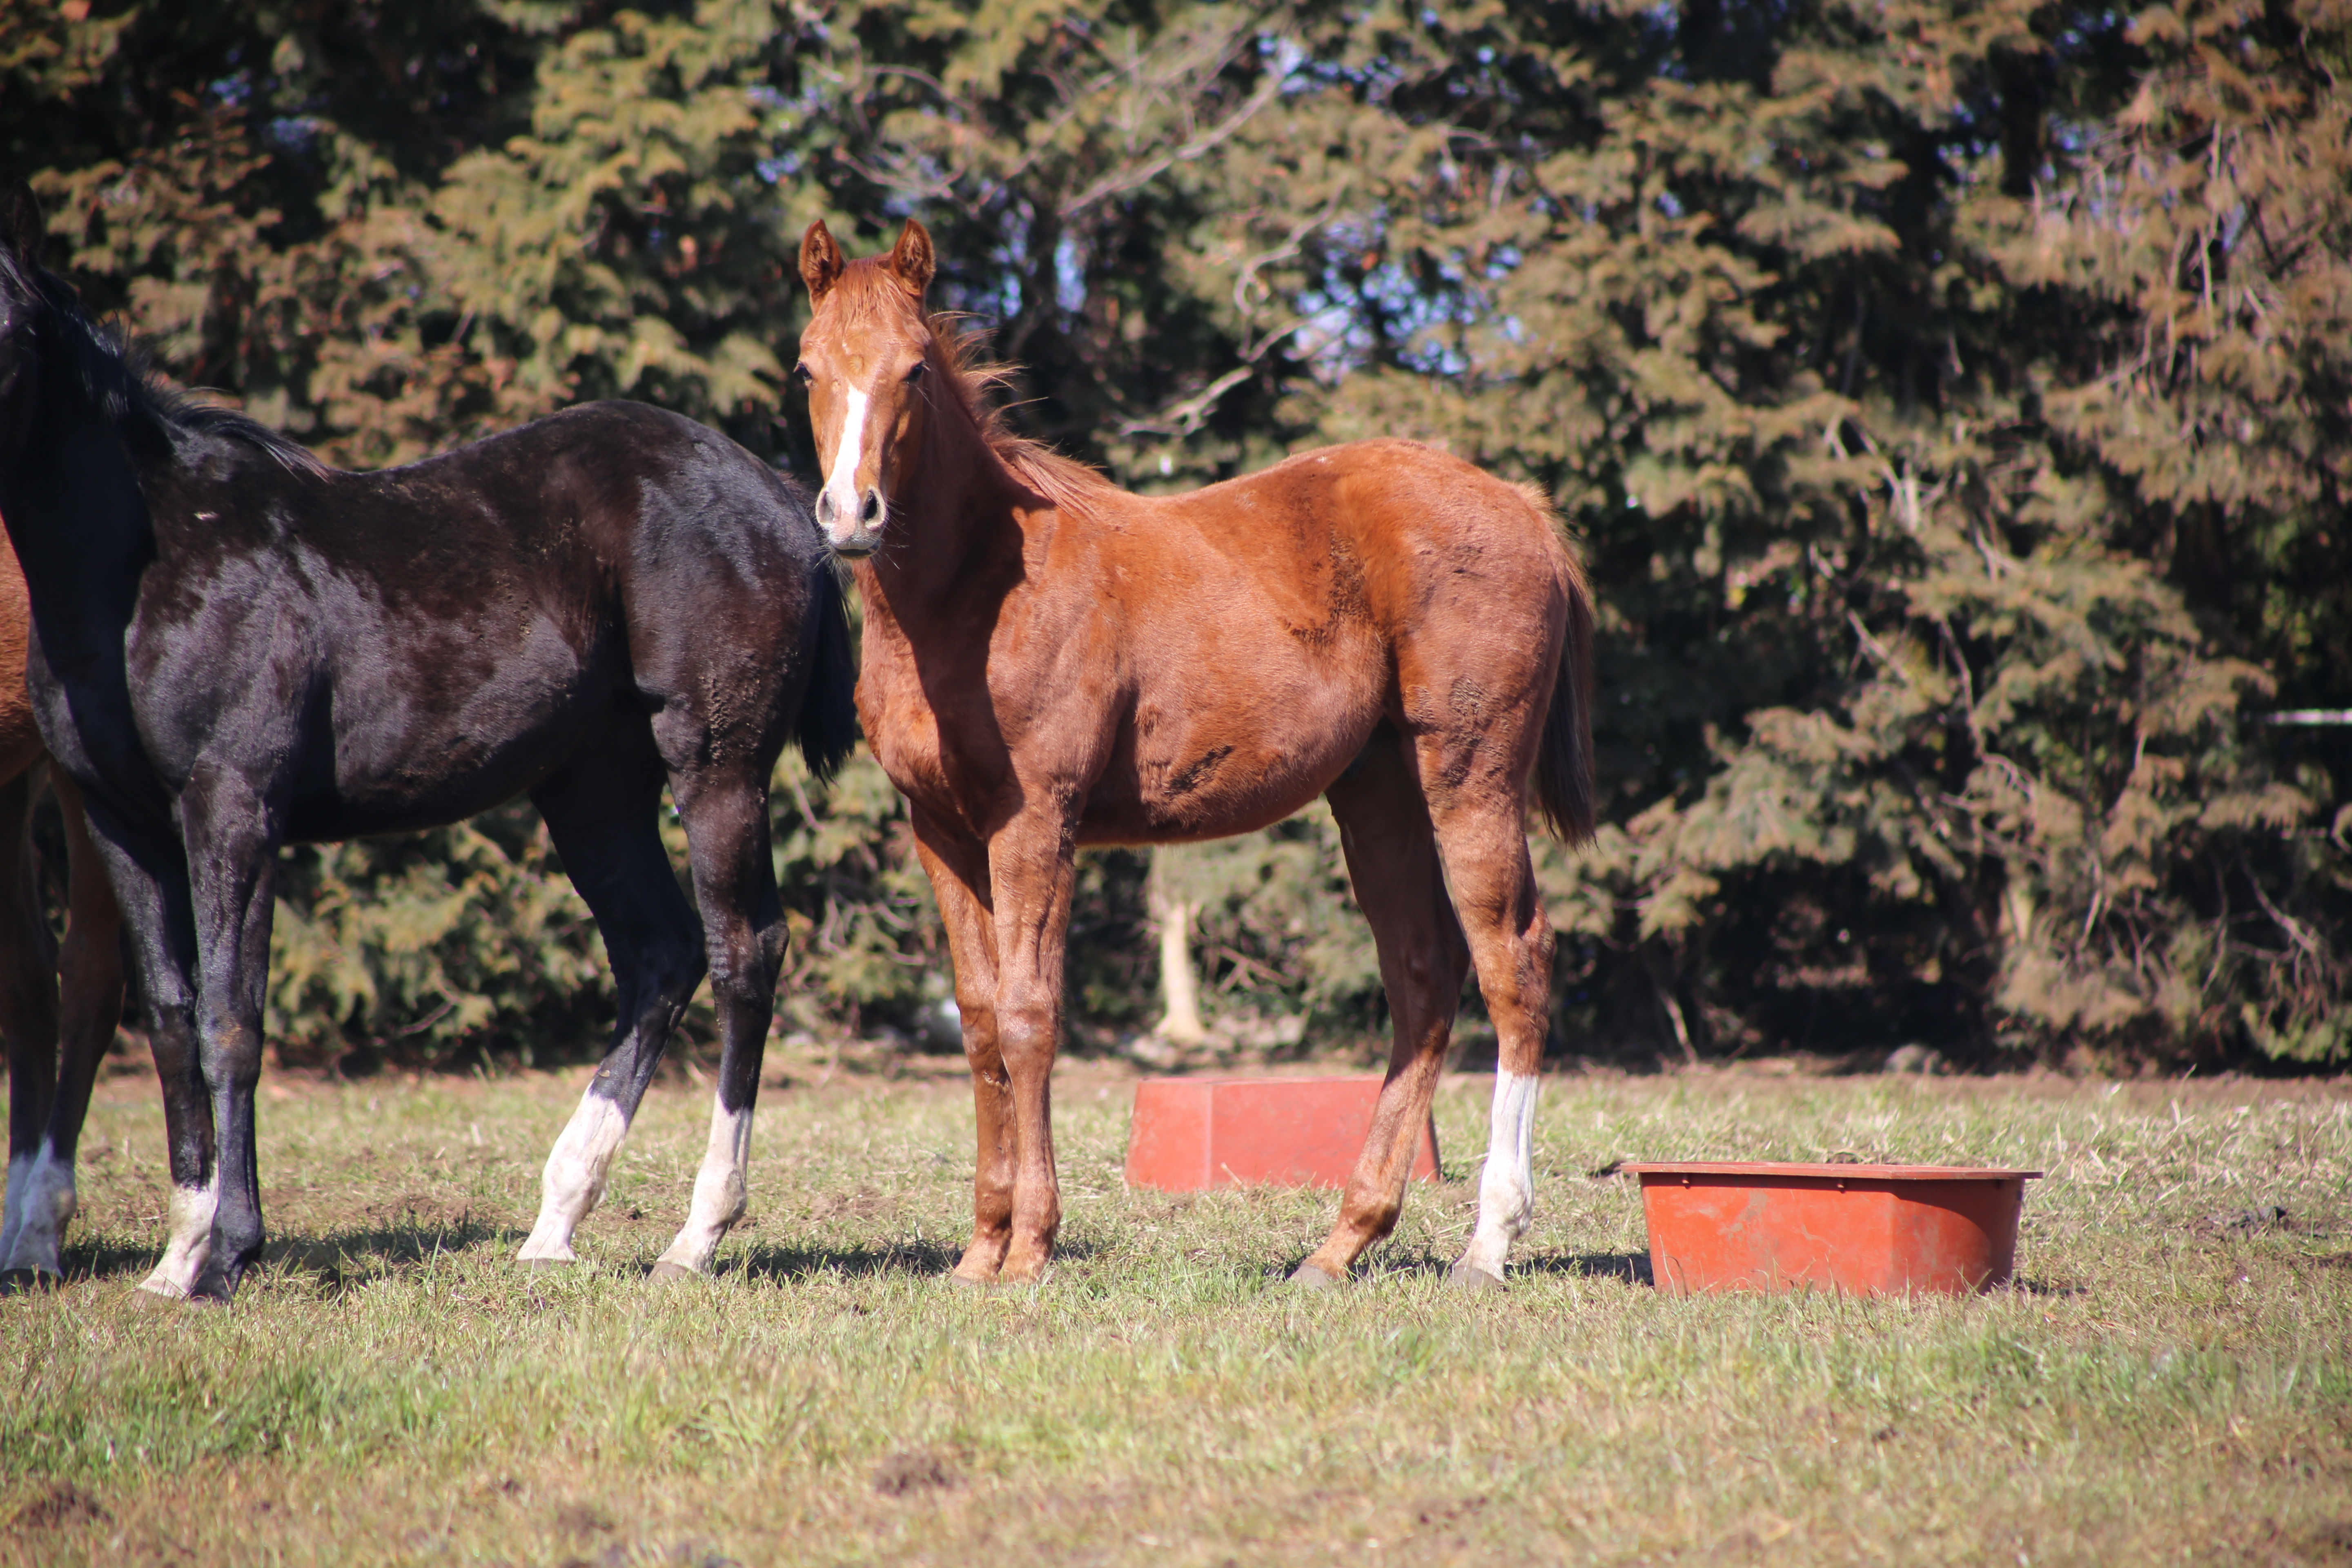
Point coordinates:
pixel 1865 1230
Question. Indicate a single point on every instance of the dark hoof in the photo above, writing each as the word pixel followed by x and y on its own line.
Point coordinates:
pixel 1307 1277
pixel 21 1281
pixel 1462 1277
pixel 665 1269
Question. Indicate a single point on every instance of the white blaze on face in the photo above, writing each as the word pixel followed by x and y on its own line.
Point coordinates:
pixel 718 1190
pixel 575 1179
pixel 188 1218
pixel 841 478
pixel 40 1202
pixel 1507 1191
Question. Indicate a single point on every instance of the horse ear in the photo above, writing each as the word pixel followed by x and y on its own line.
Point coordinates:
pixel 821 262
pixel 910 259
pixel 21 228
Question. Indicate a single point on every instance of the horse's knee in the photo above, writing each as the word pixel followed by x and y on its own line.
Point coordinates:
pixel 744 965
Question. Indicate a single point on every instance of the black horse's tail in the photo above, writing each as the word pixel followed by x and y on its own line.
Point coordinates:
pixel 827 730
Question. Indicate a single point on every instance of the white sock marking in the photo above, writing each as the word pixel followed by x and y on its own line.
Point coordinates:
pixel 841 479
pixel 1506 1190
pixel 718 1196
pixel 574 1181
pixel 12 1213
pixel 189 1219
pixel 40 1202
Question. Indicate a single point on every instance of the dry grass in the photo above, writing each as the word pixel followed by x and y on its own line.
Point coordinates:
pixel 2160 1387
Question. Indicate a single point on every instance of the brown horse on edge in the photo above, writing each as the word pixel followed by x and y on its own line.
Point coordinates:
pixel 1050 661
pixel 45 1103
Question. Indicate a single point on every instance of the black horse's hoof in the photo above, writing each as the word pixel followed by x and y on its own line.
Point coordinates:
pixel 1307 1277
pixel 27 1281
pixel 1468 1277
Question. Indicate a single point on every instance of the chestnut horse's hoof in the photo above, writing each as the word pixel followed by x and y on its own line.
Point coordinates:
pixel 665 1269
pixel 1308 1276
pixel 1468 1277
pixel 963 1281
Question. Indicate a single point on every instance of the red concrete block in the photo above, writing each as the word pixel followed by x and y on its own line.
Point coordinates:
pixel 1862 1230
pixel 1191 1133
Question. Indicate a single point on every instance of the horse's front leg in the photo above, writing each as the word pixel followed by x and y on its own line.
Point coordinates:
pixel 28 1019
pixel 1032 865
pixel 958 868
pixel 41 1196
pixel 229 822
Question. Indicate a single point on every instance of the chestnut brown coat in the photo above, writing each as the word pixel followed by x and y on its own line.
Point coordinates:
pixel 1050 661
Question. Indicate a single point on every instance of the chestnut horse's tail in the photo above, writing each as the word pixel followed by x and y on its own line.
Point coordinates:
pixel 1564 755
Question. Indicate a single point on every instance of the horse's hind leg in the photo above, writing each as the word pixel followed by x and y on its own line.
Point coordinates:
pixel 1393 865
pixel 1483 834
pixel 599 809
pixel 735 884
pixel 29 1019
pixel 91 1005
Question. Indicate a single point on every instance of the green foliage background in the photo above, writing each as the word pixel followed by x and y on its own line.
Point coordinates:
pixel 1952 397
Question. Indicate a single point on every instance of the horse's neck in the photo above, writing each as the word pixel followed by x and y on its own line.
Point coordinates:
pixel 77 518
pixel 963 524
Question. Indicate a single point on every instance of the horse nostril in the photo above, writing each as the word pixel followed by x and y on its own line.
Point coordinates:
pixel 825 508
pixel 870 511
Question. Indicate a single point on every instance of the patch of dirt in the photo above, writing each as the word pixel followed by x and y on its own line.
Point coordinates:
pixel 580 1519
pixel 912 1470
pixel 57 1506
pixel 851 1206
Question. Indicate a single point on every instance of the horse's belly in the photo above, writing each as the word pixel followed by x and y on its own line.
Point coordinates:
pixel 432 745
pixel 1217 786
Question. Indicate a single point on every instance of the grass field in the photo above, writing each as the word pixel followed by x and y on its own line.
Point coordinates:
pixel 2164 1384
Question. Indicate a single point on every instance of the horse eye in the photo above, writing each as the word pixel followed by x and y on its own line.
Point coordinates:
pixel 915 373
pixel 808 376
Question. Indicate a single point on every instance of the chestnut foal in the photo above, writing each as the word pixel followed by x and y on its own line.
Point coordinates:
pixel 1050 661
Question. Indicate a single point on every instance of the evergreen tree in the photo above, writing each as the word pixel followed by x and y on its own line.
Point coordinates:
pixel 1951 402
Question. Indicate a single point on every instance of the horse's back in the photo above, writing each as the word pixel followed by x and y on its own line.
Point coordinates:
pixel 471 619
pixel 1268 624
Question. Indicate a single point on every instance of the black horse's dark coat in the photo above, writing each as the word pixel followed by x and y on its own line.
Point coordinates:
pixel 238 648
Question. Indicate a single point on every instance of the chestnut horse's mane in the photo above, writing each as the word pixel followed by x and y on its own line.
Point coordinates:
pixel 1065 481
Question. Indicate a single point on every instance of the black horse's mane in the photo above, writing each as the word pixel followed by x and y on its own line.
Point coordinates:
pixel 114 378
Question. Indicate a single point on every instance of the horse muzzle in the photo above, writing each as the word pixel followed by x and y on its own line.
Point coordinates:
pixel 853 536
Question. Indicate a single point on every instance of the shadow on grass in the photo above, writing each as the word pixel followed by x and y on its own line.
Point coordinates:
pixel 787 1263
pixel 348 1258
pixel 334 1262
pixel 1625 1267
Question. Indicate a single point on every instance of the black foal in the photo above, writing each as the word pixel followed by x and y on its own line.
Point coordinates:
pixel 237 647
